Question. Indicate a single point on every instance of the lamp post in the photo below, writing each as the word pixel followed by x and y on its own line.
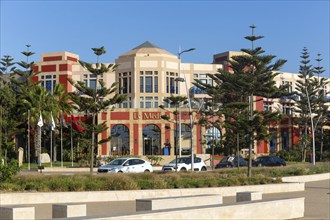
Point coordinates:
pixel 179 79
pixel 176 131
pixel 189 103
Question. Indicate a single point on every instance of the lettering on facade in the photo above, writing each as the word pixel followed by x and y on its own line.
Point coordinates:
pixel 147 116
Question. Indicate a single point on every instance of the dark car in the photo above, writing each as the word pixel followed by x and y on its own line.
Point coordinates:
pixel 268 161
pixel 231 162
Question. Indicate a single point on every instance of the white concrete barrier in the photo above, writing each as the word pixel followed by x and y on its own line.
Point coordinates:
pixel 121 195
pixel 248 196
pixel 306 178
pixel 275 209
pixel 177 202
pixel 69 210
pixel 17 212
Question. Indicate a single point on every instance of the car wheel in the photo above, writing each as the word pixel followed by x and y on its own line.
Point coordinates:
pixel 183 169
pixel 259 165
pixel 203 169
pixel 147 171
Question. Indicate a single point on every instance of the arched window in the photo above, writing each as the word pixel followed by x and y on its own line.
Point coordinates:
pixel 212 135
pixel 151 140
pixel 120 140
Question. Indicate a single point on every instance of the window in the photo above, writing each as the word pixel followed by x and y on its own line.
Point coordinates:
pixel 48 82
pixel 148 84
pixel 156 84
pixel 141 102
pixel 149 102
pixel 289 89
pixel 92 84
pixel 141 84
pixel 125 85
pixel 125 82
pixel 268 106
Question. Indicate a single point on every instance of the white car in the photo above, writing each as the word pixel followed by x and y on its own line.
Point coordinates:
pixel 184 164
pixel 126 165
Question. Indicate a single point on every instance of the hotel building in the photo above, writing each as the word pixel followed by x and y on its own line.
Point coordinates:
pixel 148 74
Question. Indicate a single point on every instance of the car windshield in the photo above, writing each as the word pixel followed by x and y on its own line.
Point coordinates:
pixel 182 160
pixel 117 162
pixel 228 159
pixel 259 159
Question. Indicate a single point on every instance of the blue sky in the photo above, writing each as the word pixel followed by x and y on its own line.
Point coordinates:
pixel 209 26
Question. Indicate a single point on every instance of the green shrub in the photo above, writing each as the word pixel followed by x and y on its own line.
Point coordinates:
pixel 166 180
pixel 9 170
pixel 291 155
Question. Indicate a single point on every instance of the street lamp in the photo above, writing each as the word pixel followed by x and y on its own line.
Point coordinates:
pixel 176 132
pixel 189 102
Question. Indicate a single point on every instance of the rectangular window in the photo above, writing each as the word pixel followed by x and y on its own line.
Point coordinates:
pixel 42 77
pixel 172 85
pixel 92 84
pixel 120 85
pixel 156 84
pixel 148 72
pixel 48 85
pixel 167 85
pixel 141 102
pixel 130 85
pixel 149 84
pixel 141 84
pixel 202 76
pixel 92 76
pixel 141 72
pixel 125 85
pixel 156 102
pixel 195 76
pixel 148 102
pixel 155 72
pixel 48 76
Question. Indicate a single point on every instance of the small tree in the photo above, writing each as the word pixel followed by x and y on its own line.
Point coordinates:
pixel 311 104
pixel 96 100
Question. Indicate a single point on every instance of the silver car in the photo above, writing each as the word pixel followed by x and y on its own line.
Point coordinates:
pixel 126 165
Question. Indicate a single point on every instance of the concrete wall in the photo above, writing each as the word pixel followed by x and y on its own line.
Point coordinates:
pixel 276 209
pixel 101 196
pixel 306 178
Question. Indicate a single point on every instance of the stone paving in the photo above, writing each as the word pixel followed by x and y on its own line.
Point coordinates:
pixel 317 203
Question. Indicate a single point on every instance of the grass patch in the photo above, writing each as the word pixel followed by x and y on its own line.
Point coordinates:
pixel 36 182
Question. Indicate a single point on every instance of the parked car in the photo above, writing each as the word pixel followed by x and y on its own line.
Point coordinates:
pixel 245 154
pixel 268 161
pixel 126 165
pixel 230 161
pixel 184 164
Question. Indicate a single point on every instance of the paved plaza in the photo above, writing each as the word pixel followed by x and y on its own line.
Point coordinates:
pixel 317 203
